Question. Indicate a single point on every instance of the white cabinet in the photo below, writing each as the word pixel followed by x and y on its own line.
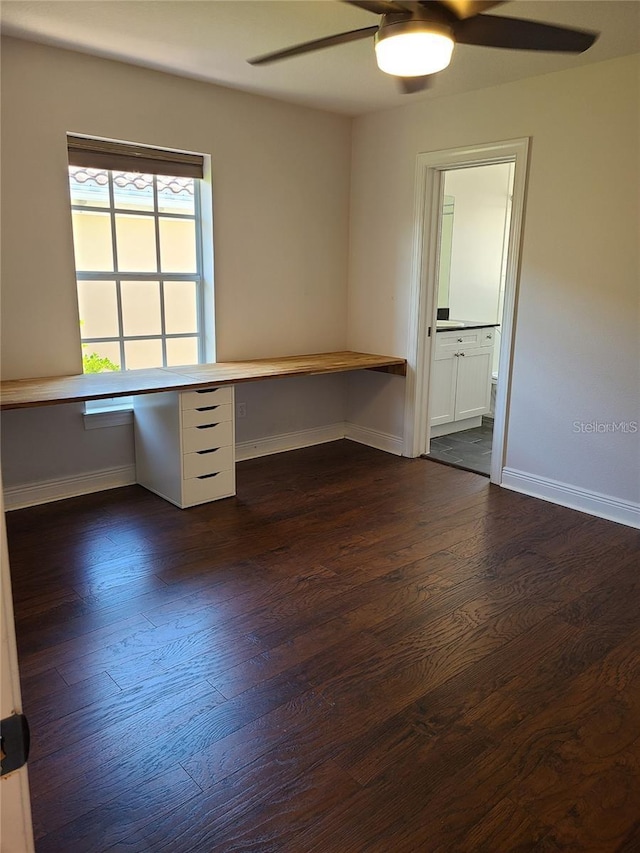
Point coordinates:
pixel 185 444
pixel 461 379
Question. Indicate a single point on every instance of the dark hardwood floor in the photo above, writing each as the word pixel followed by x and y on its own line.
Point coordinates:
pixel 358 654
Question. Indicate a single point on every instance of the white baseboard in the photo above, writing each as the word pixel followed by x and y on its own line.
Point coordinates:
pixel 593 503
pixel 31 494
pixel 318 435
pixel 288 441
pixel 373 438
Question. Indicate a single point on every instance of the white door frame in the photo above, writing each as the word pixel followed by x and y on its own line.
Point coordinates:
pixel 16 830
pixel 423 302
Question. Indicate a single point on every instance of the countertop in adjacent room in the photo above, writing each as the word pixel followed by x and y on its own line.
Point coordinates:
pixel 455 325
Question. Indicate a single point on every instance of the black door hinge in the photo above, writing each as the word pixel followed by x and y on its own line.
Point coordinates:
pixel 15 741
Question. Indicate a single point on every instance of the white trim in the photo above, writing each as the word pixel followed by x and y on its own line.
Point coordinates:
pixel 422 305
pixel 107 418
pixel 288 441
pixel 31 494
pixel 15 804
pixel 373 438
pixel 509 308
pixel 428 198
pixel 592 503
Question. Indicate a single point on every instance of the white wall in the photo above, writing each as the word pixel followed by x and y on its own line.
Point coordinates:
pixel 292 404
pixel 577 333
pixel 481 196
pixel 281 202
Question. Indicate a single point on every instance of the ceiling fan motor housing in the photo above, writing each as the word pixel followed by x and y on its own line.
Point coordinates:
pixel 413 46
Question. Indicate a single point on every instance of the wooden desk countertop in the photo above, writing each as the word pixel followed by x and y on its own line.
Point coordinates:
pixel 53 390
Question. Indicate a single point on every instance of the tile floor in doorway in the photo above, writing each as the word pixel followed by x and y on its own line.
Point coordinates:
pixel 470 448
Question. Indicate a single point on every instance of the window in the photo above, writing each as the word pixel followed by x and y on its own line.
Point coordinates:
pixel 138 268
pixel 139 245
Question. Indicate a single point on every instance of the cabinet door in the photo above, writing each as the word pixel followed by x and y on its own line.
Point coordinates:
pixel 443 388
pixel 473 388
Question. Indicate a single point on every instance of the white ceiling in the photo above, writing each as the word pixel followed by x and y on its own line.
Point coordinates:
pixel 212 39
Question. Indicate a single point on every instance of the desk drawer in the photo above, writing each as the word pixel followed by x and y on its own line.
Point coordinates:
pixel 207 437
pixel 210 414
pixel 203 489
pixel 206 397
pixel 207 462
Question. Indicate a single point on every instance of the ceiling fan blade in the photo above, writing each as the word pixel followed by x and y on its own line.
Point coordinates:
pixel 378 7
pixel 466 8
pixel 317 44
pixel 410 85
pixel 519 34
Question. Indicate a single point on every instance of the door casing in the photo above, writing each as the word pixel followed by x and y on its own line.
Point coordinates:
pixel 16 828
pixel 429 185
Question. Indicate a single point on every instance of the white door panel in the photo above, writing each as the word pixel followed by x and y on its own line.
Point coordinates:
pixel 16 831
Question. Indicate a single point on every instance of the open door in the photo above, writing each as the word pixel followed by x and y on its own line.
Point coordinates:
pixel 16 830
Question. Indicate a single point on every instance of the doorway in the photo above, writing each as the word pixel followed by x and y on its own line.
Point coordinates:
pixel 449 351
pixel 471 272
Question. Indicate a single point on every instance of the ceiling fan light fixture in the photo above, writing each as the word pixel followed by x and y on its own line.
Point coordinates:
pixel 413 48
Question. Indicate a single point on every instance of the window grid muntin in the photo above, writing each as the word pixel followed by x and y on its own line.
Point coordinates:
pixel 156 219
pixel 119 276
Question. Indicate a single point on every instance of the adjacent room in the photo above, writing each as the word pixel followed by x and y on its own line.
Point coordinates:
pixel 250 303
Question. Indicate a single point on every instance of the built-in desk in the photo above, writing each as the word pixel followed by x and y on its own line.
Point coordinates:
pixel 53 390
pixel 184 416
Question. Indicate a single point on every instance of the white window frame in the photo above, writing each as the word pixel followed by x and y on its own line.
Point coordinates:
pixel 117 411
pixel 119 276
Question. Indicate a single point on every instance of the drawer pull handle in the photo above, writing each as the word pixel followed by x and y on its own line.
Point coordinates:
pixel 207 426
pixel 207 391
pixel 206 408
pixel 207 476
pixel 202 452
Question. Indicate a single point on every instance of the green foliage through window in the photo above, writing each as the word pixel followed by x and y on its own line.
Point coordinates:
pixel 94 363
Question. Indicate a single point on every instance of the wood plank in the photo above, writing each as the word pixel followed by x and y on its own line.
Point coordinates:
pixel 108 824
pixel 53 390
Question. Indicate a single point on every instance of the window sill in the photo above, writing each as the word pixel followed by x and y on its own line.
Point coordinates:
pixel 107 418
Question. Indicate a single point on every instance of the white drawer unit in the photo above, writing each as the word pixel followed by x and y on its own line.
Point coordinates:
pixel 185 444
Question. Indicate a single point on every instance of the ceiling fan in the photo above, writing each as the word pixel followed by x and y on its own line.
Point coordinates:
pixel 415 38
